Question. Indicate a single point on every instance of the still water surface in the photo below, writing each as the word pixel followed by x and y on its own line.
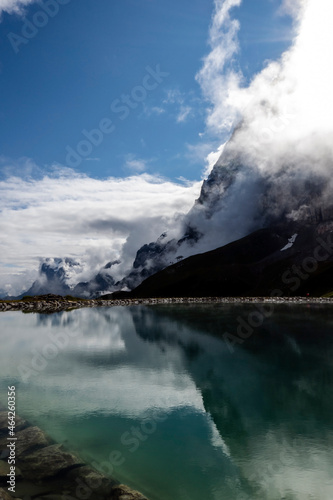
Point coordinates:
pixel 157 397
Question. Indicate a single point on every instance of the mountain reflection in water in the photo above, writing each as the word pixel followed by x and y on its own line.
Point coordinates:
pixel 255 423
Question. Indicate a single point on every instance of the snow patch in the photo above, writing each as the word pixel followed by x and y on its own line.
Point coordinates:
pixel 290 244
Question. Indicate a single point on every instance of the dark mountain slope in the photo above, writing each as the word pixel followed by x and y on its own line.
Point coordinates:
pixel 253 266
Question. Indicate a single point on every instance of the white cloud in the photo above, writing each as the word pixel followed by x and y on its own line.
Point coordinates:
pixel 290 100
pixel 66 214
pixel 217 77
pixel 173 96
pixel 134 164
pixel 184 113
pixel 292 7
pixel 198 152
pixel 175 101
pixel 153 110
pixel 183 105
pixel 14 6
pixel 279 160
pixel 212 159
pixel 287 109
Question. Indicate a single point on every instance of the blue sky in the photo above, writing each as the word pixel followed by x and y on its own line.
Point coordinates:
pixel 64 79
pixel 111 114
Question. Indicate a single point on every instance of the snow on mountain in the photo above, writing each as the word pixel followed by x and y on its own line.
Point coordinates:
pixel 290 243
pixel 235 200
pixel 56 276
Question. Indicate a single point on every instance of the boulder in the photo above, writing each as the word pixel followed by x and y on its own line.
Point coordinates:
pixel 89 480
pixel 28 490
pixel 19 422
pixel 5 469
pixel 122 492
pixel 4 495
pixel 29 438
pixel 47 462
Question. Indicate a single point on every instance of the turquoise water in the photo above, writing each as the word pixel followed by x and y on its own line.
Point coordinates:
pixel 163 400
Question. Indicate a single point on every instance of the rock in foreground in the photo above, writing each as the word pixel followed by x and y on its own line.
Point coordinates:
pixel 47 471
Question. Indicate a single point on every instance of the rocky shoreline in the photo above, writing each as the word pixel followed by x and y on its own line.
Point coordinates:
pixel 48 304
pixel 45 470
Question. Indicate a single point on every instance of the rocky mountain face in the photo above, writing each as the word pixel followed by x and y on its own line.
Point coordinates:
pixel 100 284
pixel 58 276
pixel 154 257
pixel 285 260
pixel 236 200
pixel 54 275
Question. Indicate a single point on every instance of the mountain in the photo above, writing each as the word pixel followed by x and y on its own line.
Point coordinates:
pixel 54 275
pixel 294 259
pixel 238 198
pixel 102 282
pixel 59 276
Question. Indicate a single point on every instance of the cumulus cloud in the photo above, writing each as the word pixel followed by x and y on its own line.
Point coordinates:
pixel 287 102
pixel 14 6
pixel 65 214
pixel 288 107
pixel 280 155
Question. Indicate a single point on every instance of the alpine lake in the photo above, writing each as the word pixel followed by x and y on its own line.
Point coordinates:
pixel 183 402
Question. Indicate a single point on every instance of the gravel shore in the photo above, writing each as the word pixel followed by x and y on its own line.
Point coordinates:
pixel 51 304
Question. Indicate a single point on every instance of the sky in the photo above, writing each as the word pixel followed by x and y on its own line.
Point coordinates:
pixel 64 78
pixel 109 113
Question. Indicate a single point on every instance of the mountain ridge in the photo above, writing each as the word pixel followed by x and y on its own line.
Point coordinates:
pixel 235 201
pixel 265 261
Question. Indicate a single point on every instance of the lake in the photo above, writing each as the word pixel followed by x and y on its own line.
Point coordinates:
pixel 183 402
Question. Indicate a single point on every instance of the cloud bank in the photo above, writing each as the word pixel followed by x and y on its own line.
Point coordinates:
pixel 289 102
pixel 65 214
pixel 279 160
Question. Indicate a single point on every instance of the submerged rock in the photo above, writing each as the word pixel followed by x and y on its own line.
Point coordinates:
pixel 29 439
pixel 55 497
pixel 89 481
pixel 4 495
pixel 46 471
pixel 48 462
pixel 5 470
pixel 122 492
pixel 27 490
pixel 19 422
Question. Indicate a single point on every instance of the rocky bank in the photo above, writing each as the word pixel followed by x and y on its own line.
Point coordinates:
pixel 48 304
pixel 45 470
